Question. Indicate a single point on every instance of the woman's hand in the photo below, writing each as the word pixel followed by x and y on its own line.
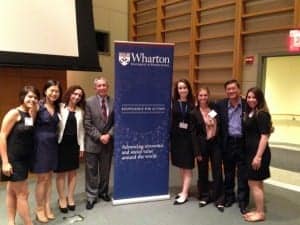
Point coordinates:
pixel 256 163
pixel 81 154
pixel 199 158
pixel 7 169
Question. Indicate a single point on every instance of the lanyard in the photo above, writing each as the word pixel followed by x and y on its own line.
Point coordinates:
pixel 183 111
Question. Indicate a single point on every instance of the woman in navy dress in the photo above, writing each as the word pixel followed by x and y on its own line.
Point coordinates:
pixel 71 145
pixel 16 147
pixel 46 148
pixel 258 127
pixel 182 151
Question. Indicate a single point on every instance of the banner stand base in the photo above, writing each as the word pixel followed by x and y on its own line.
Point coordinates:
pixel 140 199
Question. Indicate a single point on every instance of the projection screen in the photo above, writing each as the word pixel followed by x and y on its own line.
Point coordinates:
pixel 55 34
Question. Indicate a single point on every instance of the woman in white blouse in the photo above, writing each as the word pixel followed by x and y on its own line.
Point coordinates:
pixel 71 145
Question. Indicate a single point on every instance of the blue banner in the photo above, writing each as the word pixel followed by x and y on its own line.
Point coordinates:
pixel 143 81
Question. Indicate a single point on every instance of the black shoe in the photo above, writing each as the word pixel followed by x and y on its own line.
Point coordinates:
pixel 62 209
pixel 243 211
pixel 202 203
pixel 229 203
pixel 105 197
pixel 220 207
pixel 243 208
pixel 90 205
pixel 71 207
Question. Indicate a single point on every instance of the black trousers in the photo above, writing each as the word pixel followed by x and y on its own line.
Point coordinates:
pixel 234 160
pixel 211 191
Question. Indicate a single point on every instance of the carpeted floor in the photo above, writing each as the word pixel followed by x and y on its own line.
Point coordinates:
pixel 283 208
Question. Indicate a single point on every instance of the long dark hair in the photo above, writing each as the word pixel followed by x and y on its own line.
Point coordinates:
pixel 261 104
pixel 48 84
pixel 70 91
pixel 190 97
pixel 260 98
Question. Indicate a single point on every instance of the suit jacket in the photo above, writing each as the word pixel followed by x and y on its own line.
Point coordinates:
pixel 222 110
pixel 64 113
pixel 95 125
pixel 200 130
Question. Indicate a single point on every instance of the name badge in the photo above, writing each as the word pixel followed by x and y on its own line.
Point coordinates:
pixel 28 121
pixel 183 125
pixel 212 114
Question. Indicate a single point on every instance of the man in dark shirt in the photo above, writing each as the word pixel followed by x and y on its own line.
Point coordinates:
pixel 231 110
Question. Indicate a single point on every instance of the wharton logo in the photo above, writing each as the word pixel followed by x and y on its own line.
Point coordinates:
pixel 124 58
pixel 140 59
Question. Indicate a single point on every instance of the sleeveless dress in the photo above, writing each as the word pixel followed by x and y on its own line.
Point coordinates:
pixel 68 154
pixel 182 153
pixel 45 141
pixel 254 127
pixel 19 149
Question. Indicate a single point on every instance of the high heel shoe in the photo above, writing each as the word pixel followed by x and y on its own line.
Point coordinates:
pixel 181 200
pixel 41 216
pixel 62 209
pixel 202 203
pixel 71 207
pixel 220 207
pixel 49 214
pixel 177 196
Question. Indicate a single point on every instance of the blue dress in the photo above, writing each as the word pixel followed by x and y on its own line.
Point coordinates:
pixel 45 141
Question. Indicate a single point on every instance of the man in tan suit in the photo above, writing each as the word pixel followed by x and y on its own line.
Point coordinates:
pixel 98 122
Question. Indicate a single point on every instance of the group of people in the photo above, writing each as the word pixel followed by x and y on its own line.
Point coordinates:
pixel 50 135
pixel 230 137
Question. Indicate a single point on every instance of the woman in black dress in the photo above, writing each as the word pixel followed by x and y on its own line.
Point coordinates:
pixel 71 145
pixel 258 127
pixel 208 143
pixel 182 151
pixel 16 147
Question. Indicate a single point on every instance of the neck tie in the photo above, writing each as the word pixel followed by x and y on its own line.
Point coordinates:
pixel 103 109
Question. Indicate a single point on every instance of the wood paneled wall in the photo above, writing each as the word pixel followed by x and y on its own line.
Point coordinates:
pixel 212 36
pixel 13 79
